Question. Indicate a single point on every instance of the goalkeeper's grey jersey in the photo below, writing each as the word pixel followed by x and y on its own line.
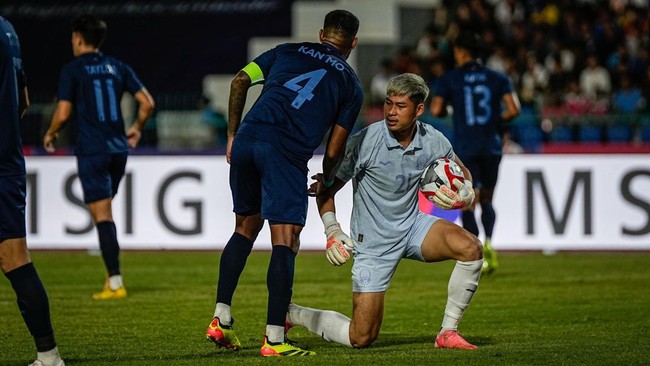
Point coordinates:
pixel 385 182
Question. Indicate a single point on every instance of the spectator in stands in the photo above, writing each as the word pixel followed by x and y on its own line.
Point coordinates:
pixel 562 54
pixel 426 46
pixel 594 78
pixel 628 98
pixel 600 104
pixel 380 80
pixel 497 60
pixel 575 101
pixel 506 13
pixel 534 81
pixel 557 82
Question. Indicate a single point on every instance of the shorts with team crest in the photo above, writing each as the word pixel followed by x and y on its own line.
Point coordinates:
pixel 373 273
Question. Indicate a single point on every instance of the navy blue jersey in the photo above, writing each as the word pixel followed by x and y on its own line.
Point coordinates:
pixel 94 84
pixel 475 92
pixel 308 87
pixel 12 79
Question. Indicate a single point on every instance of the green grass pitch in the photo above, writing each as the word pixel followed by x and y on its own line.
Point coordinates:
pixel 565 309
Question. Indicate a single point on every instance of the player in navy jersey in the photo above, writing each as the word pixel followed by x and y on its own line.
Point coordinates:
pixel 483 102
pixel 14 256
pixel 309 89
pixel 91 88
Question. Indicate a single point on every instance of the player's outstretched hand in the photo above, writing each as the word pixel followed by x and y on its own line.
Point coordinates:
pixel 447 199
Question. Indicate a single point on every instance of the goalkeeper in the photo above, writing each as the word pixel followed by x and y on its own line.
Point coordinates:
pixel 384 161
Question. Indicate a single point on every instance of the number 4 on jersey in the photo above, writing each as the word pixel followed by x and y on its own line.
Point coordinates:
pixel 304 92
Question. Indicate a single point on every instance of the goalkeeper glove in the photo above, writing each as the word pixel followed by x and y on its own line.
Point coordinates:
pixel 447 199
pixel 337 240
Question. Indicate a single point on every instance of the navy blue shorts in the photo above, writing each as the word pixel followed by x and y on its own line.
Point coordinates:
pixel 484 169
pixel 263 180
pixel 12 207
pixel 100 175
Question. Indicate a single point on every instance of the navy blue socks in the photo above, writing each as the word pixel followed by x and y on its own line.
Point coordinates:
pixel 469 222
pixel 488 218
pixel 33 304
pixel 279 281
pixel 109 246
pixel 233 260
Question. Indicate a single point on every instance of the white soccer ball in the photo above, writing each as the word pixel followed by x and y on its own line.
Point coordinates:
pixel 440 173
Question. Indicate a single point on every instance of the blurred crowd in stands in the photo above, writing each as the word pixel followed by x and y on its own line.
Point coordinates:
pixel 581 68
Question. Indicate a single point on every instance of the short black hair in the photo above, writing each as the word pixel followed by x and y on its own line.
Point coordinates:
pixel 468 41
pixel 342 21
pixel 91 28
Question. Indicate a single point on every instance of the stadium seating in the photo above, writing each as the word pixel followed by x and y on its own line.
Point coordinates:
pixel 619 133
pixel 562 133
pixel 590 133
pixel 529 136
pixel 644 133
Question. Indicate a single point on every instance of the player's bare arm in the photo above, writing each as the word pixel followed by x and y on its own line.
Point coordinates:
pixel 236 102
pixel 238 92
pixel 512 107
pixel 333 155
pixel 145 109
pixel 61 115
pixel 512 110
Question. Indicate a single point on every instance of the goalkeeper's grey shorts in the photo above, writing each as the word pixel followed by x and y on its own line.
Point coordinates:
pixel 373 273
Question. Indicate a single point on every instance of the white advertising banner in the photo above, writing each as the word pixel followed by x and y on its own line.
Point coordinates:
pixel 573 202
pixel 543 202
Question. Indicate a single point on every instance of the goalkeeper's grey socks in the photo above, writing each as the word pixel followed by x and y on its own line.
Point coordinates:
pixel 332 326
pixel 222 311
pixel 274 333
pixel 462 285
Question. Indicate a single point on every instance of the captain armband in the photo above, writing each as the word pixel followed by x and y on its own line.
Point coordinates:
pixel 254 72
